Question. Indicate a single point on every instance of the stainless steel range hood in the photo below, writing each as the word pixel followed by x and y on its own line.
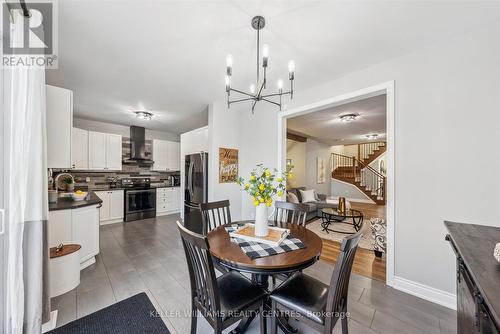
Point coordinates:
pixel 138 147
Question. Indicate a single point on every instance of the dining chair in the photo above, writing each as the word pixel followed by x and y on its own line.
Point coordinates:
pixel 214 214
pixel 313 302
pixel 292 213
pixel 223 300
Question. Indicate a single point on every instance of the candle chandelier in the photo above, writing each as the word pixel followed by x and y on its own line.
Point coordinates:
pixel 256 93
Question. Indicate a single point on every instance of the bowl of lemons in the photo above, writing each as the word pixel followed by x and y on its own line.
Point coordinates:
pixel 79 195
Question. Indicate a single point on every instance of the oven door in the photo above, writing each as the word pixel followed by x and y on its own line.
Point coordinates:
pixel 140 200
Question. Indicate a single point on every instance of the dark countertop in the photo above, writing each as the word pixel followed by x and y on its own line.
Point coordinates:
pixel 476 243
pixel 105 188
pixel 66 203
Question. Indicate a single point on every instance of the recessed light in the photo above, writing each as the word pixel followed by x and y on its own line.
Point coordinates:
pixel 372 136
pixel 146 115
pixel 349 117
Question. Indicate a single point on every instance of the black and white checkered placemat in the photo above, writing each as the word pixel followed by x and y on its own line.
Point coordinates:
pixel 255 250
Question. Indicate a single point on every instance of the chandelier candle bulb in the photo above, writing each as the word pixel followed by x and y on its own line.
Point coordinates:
pixel 280 85
pixel 229 64
pixel 265 54
pixel 252 88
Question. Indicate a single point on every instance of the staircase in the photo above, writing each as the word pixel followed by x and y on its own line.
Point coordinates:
pixel 359 173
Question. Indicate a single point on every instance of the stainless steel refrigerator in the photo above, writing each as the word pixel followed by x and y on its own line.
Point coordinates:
pixel 195 189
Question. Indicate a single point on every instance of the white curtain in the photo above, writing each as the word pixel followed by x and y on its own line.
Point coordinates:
pixel 27 194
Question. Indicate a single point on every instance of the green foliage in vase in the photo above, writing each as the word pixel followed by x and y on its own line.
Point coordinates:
pixel 264 184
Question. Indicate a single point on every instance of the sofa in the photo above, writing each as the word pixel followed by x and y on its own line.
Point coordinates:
pixel 315 207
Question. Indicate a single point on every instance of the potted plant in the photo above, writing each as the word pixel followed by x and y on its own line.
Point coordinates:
pixel 70 183
pixel 263 185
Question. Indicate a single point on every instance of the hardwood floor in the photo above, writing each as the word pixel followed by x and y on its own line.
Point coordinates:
pixel 365 262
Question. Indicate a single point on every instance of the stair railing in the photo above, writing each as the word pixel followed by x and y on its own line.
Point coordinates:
pixel 356 170
pixel 366 149
pixel 372 180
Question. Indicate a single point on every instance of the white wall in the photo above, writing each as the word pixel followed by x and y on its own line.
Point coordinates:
pixel 120 129
pixel 316 149
pixel 224 131
pixel 447 98
pixel 349 191
pixel 296 151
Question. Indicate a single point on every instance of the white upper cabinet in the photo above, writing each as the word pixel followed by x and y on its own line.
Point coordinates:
pixel 113 152
pixel 159 154
pixel 97 150
pixel 166 155
pixel 105 151
pixel 59 119
pixel 173 156
pixel 80 149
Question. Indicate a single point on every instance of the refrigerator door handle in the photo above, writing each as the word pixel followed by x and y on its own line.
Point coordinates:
pixel 190 179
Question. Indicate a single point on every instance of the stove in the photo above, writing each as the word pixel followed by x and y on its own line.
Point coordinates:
pixel 140 198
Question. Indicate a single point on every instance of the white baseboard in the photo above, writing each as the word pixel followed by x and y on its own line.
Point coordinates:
pixel 51 324
pixel 426 292
pixel 112 221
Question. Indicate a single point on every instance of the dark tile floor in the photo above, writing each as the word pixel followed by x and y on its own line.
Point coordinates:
pixel 147 256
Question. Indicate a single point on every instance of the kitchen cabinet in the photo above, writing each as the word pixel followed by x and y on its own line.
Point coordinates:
pixel 59 227
pixel 168 200
pixel 112 206
pixel 77 226
pixel 105 151
pixel 173 156
pixel 166 155
pixel 59 120
pixel 80 149
pixel 160 148
pixel 97 150
pixel 85 232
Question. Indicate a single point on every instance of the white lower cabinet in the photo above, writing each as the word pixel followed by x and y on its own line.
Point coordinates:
pixel 112 206
pixel 168 200
pixel 76 226
pixel 85 232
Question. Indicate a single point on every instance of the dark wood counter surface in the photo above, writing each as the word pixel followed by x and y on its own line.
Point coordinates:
pixel 474 245
pixel 66 203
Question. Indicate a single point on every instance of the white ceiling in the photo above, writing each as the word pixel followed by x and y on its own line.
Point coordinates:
pixel 169 56
pixel 326 126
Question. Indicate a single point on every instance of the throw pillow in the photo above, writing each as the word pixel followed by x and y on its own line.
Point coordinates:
pixel 292 198
pixel 307 196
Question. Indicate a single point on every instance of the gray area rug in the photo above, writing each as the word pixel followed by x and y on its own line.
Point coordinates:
pixel 132 315
pixel 365 242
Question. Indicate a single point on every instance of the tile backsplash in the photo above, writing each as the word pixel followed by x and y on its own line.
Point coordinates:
pixel 101 179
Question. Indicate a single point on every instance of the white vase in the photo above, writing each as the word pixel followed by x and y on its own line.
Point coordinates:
pixel 261 215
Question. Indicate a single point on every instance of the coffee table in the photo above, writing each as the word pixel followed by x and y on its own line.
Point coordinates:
pixel 331 216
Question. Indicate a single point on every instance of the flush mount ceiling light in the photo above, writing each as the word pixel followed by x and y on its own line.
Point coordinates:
pixel 349 117
pixel 143 115
pixel 372 136
pixel 256 89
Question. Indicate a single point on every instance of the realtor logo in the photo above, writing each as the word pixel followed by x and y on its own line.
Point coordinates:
pixel 30 38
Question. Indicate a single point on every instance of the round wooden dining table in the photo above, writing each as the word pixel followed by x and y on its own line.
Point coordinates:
pixel 232 256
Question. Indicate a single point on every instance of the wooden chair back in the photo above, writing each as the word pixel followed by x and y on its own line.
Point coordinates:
pixel 339 284
pixel 204 289
pixel 292 213
pixel 214 214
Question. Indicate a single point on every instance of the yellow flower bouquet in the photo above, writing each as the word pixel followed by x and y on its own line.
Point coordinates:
pixel 263 185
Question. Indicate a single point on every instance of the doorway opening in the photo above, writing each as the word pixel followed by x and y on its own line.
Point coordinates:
pixel 343 149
